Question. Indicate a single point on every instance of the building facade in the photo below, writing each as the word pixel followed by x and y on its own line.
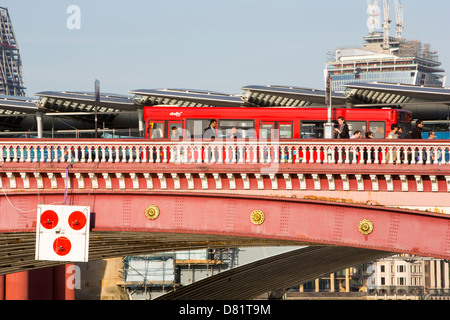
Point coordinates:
pixel 405 62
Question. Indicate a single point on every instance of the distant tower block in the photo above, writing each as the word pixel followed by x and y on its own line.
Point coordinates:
pixel 11 82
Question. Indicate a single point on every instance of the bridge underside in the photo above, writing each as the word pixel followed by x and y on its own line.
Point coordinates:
pixel 291 268
pixel 17 249
pixel 129 223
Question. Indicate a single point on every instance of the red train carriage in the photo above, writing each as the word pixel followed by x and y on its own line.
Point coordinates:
pixel 267 123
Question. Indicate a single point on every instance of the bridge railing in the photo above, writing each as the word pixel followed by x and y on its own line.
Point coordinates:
pixel 225 152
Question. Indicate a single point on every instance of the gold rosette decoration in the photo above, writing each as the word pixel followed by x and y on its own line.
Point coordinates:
pixel 152 212
pixel 365 227
pixel 257 217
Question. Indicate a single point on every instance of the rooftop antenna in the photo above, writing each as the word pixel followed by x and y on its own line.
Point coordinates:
pixel 374 15
pixel 399 18
pixel 386 25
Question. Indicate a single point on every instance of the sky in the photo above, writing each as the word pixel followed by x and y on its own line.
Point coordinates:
pixel 199 44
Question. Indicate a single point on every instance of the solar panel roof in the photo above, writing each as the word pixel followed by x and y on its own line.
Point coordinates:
pixel 83 101
pixel 185 97
pixel 276 95
pixel 416 92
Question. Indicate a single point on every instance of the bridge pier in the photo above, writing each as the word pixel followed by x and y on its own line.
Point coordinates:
pixel 40 284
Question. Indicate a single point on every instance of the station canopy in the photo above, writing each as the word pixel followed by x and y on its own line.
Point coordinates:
pixel 185 98
pixel 386 93
pixel 425 102
pixel 285 96
pixel 13 109
pixel 66 103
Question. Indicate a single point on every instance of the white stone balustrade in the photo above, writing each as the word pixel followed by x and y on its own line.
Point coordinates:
pixel 412 152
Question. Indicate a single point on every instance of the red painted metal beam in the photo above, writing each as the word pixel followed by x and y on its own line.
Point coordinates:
pixel 298 220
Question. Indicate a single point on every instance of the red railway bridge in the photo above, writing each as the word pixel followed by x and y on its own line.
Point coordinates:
pixel 386 196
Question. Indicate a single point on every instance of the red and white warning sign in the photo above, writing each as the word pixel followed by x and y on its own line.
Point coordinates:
pixel 62 233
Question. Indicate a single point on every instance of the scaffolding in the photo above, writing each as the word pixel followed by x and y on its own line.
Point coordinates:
pixel 415 48
pixel 11 82
pixel 149 276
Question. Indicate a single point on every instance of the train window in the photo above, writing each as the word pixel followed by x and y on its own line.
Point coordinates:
pixel 176 130
pixel 357 125
pixel 196 127
pixel 311 129
pixel 267 130
pixel 285 130
pixel 244 128
pixel 156 130
pixel 378 128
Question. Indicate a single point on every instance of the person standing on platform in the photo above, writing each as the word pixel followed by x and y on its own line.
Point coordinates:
pixel 417 132
pixel 342 132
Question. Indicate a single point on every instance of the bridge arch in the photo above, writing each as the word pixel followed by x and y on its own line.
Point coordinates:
pixel 166 221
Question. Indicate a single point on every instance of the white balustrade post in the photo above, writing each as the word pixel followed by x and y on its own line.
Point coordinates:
pixel 340 154
pixel 89 150
pixel 428 151
pixel 420 155
pixel 15 153
pixel 97 158
pixel 399 156
pixel 42 153
pixel 83 153
pixel 255 153
pixel 103 153
pixel 22 154
pixel 311 154
pixel 220 152
pixel 8 153
pixel 77 158
pixel 347 154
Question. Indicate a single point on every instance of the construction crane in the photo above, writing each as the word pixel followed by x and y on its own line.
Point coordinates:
pixel 374 14
pixel 399 18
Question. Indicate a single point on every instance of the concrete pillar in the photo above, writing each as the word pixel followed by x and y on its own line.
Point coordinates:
pixel 432 276
pixel 39 124
pixel 39 284
pixel 438 275
pixel 16 286
pixel 316 285
pixel 2 288
pixel 348 104
pixel 61 289
pixel 347 280
pixel 332 289
pixel 446 276
pixel 140 113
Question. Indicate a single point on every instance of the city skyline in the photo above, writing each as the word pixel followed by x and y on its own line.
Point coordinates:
pixel 198 45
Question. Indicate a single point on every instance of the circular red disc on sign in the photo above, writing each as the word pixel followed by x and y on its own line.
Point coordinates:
pixel 49 219
pixel 62 246
pixel 77 220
